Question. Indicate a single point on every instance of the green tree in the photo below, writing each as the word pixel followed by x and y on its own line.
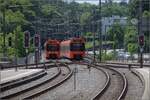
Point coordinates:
pixel 132 48
pixel 49 10
pixel 146 14
pixel 17 15
pixel 134 13
pixel 131 39
pixel 20 50
pixel 85 18
pixel 116 34
pixel 109 9
pixel 133 8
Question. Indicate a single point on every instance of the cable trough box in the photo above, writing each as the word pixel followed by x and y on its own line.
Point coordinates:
pixel 5 62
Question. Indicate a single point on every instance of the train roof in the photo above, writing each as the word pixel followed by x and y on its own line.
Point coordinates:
pixel 51 41
pixel 73 40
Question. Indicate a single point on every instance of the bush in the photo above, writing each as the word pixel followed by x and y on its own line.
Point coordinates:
pixel 88 45
pixel 146 14
pixel 108 56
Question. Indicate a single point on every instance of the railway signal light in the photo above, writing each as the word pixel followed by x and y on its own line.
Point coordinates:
pixel 141 43
pixel 36 40
pixel 141 40
pixel 9 41
pixel 26 39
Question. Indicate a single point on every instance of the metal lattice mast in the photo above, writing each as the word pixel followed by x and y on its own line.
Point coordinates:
pixel 100 33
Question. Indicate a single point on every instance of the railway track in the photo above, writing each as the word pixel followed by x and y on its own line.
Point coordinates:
pixel 119 64
pixel 8 85
pixel 133 80
pixel 38 65
pixel 115 86
pixel 107 82
pixel 86 84
pixel 27 86
pixel 43 85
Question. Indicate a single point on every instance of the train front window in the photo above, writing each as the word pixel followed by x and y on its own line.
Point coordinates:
pixel 52 48
pixel 77 47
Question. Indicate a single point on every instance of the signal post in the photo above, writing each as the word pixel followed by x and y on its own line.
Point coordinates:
pixel 141 44
pixel 36 45
pixel 26 45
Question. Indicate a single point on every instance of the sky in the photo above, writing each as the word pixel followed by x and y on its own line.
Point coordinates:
pixel 95 1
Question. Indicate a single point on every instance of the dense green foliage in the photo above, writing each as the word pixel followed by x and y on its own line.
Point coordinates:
pixel 110 9
pixel 109 56
pixel 134 8
pixel 42 15
pixel 16 17
pixel 134 12
pixel 116 34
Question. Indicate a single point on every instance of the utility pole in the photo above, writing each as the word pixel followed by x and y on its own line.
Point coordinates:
pixel 36 45
pixel 26 45
pixel 16 50
pixel 4 31
pixel 100 34
pixel 93 31
pixel 93 25
pixel 139 27
pixel 141 44
pixel 105 41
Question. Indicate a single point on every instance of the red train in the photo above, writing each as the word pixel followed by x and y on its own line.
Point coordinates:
pixel 73 48
pixel 52 49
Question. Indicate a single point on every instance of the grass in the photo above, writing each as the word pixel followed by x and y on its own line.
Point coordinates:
pixel 90 44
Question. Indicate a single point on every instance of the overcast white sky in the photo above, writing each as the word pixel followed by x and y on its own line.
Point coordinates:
pixel 95 1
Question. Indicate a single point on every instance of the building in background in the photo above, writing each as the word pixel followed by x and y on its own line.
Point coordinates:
pixel 107 22
pixel 144 23
pixel 68 1
pixel 145 16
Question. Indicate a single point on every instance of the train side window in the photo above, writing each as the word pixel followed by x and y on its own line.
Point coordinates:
pixel 52 47
pixel 77 47
pixel 62 49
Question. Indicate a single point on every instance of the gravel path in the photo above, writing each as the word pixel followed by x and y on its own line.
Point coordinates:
pixel 87 83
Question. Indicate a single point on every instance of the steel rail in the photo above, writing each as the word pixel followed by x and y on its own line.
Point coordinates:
pixel 125 83
pixel 21 81
pixel 45 66
pixel 32 87
pixel 118 63
pixel 107 83
pixel 28 65
pixel 52 86
pixel 132 64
